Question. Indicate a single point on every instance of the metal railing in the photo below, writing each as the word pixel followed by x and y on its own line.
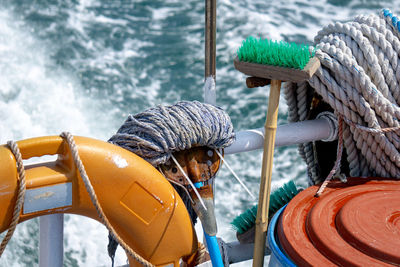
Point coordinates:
pixel 51 240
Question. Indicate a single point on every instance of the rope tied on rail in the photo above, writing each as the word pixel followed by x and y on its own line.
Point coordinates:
pixel 359 78
pixel 158 132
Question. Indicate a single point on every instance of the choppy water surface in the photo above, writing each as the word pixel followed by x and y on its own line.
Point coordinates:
pixel 82 66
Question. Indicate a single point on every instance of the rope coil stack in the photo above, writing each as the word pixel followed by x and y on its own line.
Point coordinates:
pixel 359 78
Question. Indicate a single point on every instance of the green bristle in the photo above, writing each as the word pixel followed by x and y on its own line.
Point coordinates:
pixel 267 52
pixel 246 220
pixel 278 199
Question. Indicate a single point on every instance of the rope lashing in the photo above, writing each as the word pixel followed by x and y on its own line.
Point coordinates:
pixel 336 166
pixel 158 132
pixel 338 158
pixel 20 195
pixel 359 78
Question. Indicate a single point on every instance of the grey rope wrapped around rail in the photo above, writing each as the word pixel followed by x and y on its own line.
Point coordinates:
pixel 359 78
pixel 157 132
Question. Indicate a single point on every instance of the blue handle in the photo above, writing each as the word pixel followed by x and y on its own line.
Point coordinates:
pixel 213 249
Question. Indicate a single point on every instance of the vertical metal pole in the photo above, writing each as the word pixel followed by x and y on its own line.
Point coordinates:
pixel 51 248
pixel 210 38
pixel 210 98
pixel 210 94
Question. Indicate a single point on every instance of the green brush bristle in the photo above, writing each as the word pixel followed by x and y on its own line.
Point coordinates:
pixel 278 199
pixel 267 52
pixel 245 221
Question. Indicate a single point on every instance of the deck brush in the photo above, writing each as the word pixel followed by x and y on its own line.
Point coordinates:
pixel 277 61
pixel 277 53
pixel 279 198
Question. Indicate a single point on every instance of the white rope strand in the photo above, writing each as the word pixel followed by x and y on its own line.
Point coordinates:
pixel 235 175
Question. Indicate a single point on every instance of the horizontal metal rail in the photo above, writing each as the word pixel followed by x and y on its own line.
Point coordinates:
pixel 288 134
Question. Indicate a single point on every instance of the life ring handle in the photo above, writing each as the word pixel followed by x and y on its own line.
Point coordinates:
pixel 41 146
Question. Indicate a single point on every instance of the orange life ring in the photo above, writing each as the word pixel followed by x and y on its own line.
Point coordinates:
pixel 139 202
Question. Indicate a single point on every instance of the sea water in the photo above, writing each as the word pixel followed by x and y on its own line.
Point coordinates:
pixel 83 66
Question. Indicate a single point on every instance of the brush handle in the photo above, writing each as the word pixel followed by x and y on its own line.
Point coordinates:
pixel 252 82
pixel 266 173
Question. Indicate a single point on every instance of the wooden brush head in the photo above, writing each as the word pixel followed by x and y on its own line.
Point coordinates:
pixel 276 72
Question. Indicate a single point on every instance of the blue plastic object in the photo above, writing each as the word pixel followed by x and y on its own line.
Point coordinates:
pixel 278 257
pixel 199 184
pixel 213 249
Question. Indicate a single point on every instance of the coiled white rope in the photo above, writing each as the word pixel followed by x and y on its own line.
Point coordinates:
pixel 359 78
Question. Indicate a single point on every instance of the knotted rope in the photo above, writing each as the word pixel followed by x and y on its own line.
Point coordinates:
pixel 359 78
pixel 201 254
pixel 158 132
pixel 20 195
